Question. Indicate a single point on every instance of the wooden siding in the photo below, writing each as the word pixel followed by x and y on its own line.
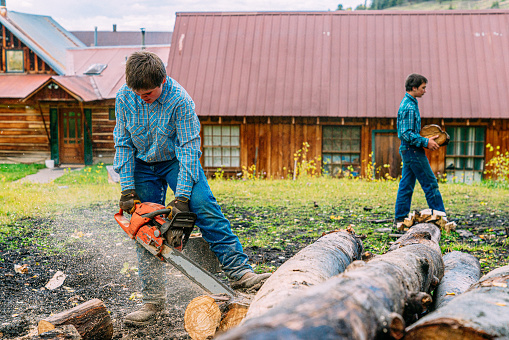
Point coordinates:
pixel 270 143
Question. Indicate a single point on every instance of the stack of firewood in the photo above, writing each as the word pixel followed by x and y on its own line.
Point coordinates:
pixel 427 216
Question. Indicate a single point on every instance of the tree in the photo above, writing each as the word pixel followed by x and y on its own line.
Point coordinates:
pixel 340 7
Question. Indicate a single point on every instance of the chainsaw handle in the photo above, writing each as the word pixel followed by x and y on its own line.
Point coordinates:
pixel 124 223
pixel 153 214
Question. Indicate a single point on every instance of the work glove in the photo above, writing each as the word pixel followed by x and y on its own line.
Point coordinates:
pixel 128 200
pixel 178 204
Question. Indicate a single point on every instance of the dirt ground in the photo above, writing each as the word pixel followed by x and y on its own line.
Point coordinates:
pixel 100 263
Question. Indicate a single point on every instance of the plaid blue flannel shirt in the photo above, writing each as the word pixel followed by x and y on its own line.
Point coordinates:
pixel 160 131
pixel 409 124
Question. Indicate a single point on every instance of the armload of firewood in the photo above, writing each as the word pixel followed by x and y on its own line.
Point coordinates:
pixel 434 130
pixel 427 216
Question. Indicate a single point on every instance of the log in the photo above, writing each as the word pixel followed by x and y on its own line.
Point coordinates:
pixel 481 312
pixel 90 318
pixel 431 130
pixel 364 303
pixel 207 314
pixel 328 256
pixel 67 332
pixel 461 271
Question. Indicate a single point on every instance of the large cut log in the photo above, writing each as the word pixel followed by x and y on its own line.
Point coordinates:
pixel 91 319
pixel 65 332
pixel 328 256
pixel 363 303
pixel 482 312
pixel 461 271
pixel 207 314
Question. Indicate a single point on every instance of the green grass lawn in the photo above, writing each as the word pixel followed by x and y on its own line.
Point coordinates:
pixel 285 214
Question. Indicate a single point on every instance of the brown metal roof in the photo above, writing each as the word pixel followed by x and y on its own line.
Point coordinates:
pixel 20 86
pixel 343 64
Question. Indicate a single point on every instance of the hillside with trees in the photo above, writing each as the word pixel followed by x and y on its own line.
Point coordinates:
pixel 423 5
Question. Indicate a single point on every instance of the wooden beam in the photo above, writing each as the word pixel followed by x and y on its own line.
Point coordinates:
pixel 317 120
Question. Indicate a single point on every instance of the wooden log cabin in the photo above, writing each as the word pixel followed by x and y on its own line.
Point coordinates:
pixel 57 97
pixel 265 83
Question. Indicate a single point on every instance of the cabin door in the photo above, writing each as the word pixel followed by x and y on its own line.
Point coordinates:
pixel 386 153
pixel 71 143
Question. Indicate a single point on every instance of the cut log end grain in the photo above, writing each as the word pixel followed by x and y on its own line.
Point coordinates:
pixel 449 329
pixel 235 313
pixel 202 317
pixel 434 130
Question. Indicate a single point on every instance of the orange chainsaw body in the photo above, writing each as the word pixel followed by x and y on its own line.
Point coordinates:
pixel 144 229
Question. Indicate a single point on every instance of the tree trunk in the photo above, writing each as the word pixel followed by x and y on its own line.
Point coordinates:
pixel 481 312
pixel 67 332
pixel 328 256
pixel 363 303
pixel 91 319
pixel 207 314
pixel 461 271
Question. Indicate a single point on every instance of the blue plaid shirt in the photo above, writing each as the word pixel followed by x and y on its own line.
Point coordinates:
pixel 160 131
pixel 409 124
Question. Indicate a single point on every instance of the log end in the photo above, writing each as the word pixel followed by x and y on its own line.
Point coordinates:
pixel 202 317
pixel 44 326
pixel 396 326
pixel 445 329
pixel 235 314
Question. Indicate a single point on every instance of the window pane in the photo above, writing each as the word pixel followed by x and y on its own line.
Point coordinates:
pixel 216 140
pixel 207 130
pixel 225 130
pixel 235 130
pixel 14 60
pixel 479 149
pixel 478 164
pixel 226 152
pixel 469 164
pixel 479 135
pixel 217 152
pixel 235 152
pixel 207 140
pixel 345 145
pixel 327 158
pixel 336 159
pixel 216 161
pixel 225 140
pixel 327 132
pixel 226 161
pixel 345 158
pixel 235 161
pixel 356 133
pixel 336 145
pixel 216 130
pixel 327 144
pixel 235 141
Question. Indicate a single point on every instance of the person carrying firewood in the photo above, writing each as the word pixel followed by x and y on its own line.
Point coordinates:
pixel 157 144
pixel 415 162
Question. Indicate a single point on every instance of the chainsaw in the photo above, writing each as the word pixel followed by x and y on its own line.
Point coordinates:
pixel 164 232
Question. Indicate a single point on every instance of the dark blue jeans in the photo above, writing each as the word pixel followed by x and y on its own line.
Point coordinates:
pixel 151 181
pixel 416 166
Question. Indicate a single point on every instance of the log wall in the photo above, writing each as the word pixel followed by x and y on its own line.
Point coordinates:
pixel 270 143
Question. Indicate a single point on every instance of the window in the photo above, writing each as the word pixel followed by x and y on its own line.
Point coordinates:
pixel 341 149
pixel 221 145
pixel 464 161
pixel 111 114
pixel 95 69
pixel 14 61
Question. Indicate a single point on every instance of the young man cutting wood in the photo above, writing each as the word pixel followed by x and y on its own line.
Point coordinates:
pixel 415 162
pixel 157 144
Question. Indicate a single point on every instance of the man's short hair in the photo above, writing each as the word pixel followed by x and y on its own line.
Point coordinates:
pixel 144 71
pixel 414 80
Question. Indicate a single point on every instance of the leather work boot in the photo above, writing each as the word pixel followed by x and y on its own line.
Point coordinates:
pixel 144 316
pixel 250 281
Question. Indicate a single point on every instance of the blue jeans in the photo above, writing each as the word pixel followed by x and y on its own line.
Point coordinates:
pixel 416 166
pixel 151 181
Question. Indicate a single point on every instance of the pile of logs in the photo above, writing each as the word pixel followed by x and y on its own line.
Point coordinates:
pixel 327 292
